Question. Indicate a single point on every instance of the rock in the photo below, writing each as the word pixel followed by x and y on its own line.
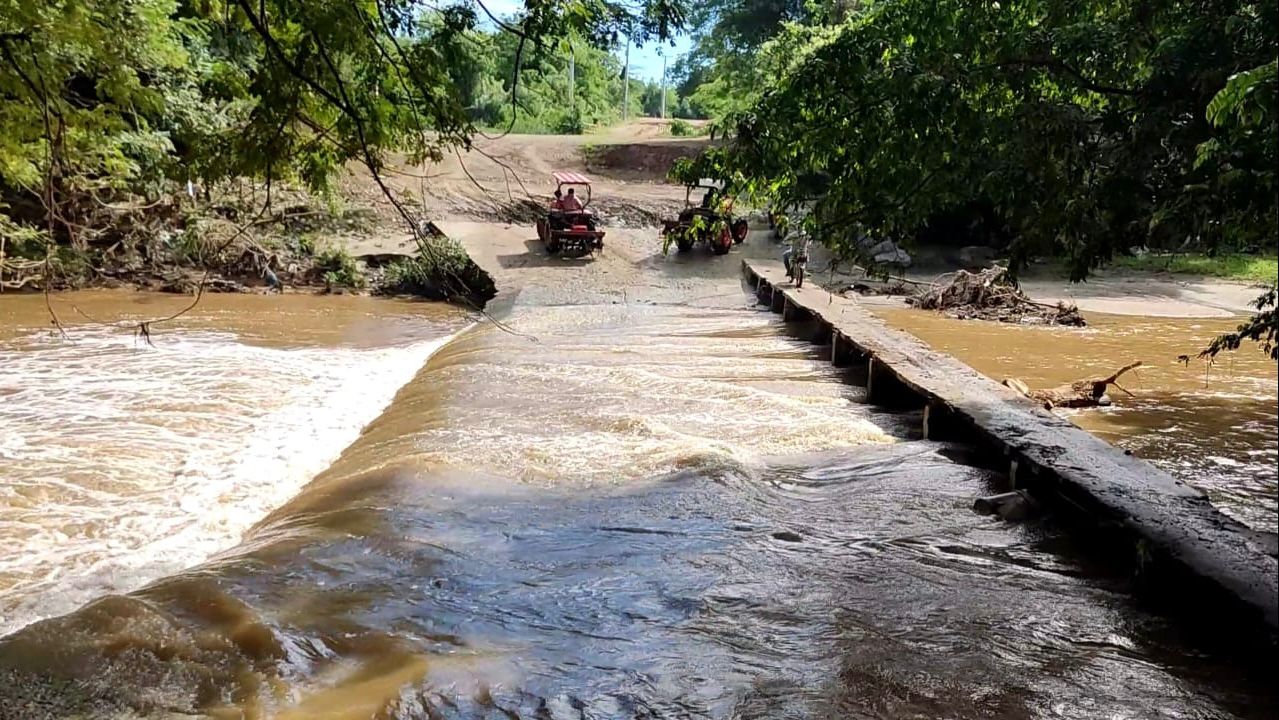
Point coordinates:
pixel 1017 385
pixel 897 257
pixel 883 252
pixel 222 285
pixel 377 260
pixel 881 247
pixel 1011 506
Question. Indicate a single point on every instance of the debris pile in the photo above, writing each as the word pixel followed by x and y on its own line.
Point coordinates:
pixel 991 294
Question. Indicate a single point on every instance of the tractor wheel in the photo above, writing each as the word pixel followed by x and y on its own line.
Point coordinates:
pixel 541 229
pixel 552 246
pixel 684 244
pixel 722 242
pixel 740 229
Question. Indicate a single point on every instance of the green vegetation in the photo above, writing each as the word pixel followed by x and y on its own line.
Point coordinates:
pixel 440 271
pixel 112 110
pixel 683 128
pixel 1063 130
pixel 339 269
pixel 541 88
pixel 1232 266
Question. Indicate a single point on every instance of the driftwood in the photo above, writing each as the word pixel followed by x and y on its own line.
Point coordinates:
pixel 991 294
pixel 1080 393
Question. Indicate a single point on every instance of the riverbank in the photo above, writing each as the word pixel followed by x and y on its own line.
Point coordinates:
pixel 242 238
pixel 1117 289
pixel 217 248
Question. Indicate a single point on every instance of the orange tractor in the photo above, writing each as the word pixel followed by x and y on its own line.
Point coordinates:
pixel 571 231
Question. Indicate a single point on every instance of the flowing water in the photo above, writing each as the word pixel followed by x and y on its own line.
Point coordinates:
pixel 612 511
pixel 1215 427
pixel 125 461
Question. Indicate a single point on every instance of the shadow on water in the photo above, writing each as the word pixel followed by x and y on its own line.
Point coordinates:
pixel 537 256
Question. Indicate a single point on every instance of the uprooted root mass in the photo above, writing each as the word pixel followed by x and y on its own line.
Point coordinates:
pixel 991 294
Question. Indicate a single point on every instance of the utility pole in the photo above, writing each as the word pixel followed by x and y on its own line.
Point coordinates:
pixel 572 77
pixel 663 112
pixel 626 81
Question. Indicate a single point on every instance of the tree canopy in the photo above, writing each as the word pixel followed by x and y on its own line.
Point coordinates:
pixel 1075 130
pixel 124 96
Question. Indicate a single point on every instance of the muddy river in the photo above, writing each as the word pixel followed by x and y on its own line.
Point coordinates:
pixel 344 508
pixel 1216 427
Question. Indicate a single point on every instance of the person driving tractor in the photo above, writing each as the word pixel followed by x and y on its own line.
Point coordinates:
pixel 571 203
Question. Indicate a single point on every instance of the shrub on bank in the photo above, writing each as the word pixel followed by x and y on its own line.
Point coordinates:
pixel 339 269
pixel 684 128
pixel 440 270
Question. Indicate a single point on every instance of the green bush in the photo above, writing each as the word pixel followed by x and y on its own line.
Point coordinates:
pixel 304 244
pixel 571 123
pixel 20 240
pixel 683 128
pixel 441 270
pixel 339 269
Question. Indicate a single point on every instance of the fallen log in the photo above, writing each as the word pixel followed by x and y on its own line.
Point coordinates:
pixel 1080 393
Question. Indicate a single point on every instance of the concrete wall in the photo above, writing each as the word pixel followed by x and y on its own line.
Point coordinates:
pixel 1124 508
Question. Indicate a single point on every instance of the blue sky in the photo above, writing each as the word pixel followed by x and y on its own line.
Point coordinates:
pixel 646 62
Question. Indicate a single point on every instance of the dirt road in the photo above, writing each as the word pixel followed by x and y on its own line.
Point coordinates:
pixel 488 198
pixel 506 180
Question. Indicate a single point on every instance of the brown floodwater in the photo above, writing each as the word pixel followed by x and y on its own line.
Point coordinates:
pixel 342 508
pixel 1216 427
pixel 124 461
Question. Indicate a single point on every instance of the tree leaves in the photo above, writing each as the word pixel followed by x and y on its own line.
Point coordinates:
pixel 1248 98
pixel 1073 130
pixel 129 95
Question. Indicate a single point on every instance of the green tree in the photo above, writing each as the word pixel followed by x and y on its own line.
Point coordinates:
pixel 83 113
pixel 1243 159
pixel 1077 128
pixel 126 97
pixel 651 99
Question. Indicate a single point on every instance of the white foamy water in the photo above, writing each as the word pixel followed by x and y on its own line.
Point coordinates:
pixel 122 463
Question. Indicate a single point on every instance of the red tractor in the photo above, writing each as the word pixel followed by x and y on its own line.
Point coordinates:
pixel 711 222
pixel 569 227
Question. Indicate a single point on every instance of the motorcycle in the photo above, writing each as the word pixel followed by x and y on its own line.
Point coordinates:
pixel 799 259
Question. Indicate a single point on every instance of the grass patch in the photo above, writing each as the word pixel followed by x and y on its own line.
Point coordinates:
pixel 1248 268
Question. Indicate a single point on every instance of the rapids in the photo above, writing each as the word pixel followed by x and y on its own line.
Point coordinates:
pixel 630 510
